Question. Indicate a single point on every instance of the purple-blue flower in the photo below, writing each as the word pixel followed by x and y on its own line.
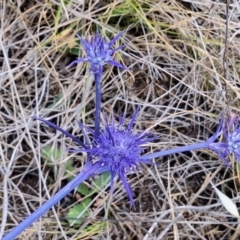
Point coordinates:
pixel 98 52
pixel 233 136
pixel 119 148
pixel 116 148
pixel 230 144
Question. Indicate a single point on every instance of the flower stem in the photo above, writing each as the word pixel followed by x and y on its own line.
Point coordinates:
pixel 176 150
pixel 98 77
pixel 82 176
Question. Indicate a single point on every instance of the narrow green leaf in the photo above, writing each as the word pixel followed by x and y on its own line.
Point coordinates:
pixel 74 51
pixel 51 154
pixel 83 189
pixel 69 170
pixel 101 181
pixel 80 210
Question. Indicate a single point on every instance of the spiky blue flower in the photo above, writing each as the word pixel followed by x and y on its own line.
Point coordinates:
pixel 99 52
pixel 116 148
pixel 232 134
pixel 120 149
pixel 230 144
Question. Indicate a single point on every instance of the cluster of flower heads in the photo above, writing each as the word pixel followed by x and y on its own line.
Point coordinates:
pixel 118 149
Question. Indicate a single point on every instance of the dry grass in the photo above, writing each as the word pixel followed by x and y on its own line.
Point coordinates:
pixel 175 52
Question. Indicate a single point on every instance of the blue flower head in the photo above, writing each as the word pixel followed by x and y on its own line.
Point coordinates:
pixel 116 149
pixel 98 52
pixel 119 148
pixel 230 129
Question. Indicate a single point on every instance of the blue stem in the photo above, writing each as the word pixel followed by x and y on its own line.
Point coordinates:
pixel 98 77
pixel 177 150
pixel 82 176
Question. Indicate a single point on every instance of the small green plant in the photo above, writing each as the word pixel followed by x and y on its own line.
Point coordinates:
pixel 79 211
pixel 76 214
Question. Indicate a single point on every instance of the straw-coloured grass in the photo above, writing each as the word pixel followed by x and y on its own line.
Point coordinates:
pixel 183 62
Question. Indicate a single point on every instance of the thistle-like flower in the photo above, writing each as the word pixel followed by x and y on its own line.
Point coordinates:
pixel 116 149
pixel 230 129
pixel 232 134
pixel 119 149
pixel 98 52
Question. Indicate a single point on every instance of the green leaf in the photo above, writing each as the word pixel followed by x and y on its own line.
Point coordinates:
pixel 101 181
pixel 80 210
pixel 69 170
pixel 74 51
pixel 51 155
pixel 83 189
